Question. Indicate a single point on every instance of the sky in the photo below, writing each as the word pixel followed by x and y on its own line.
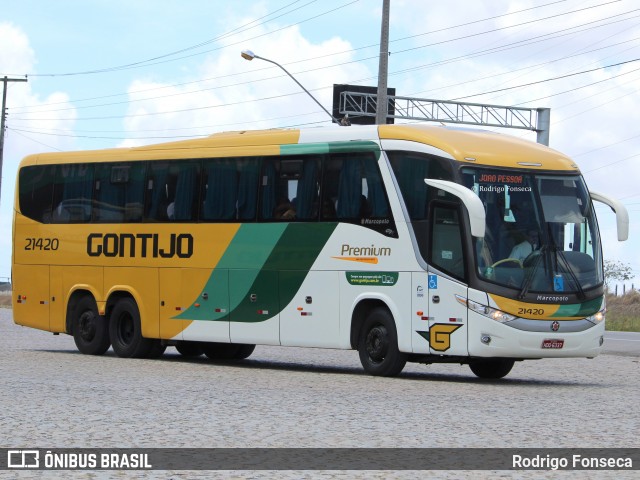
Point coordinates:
pixel 119 73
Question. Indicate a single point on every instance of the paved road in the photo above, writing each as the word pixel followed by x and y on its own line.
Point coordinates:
pixel 622 343
pixel 52 396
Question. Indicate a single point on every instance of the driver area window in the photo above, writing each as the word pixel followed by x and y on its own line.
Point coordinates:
pixel 446 252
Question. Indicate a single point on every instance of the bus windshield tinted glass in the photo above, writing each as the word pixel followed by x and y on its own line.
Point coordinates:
pixel 541 234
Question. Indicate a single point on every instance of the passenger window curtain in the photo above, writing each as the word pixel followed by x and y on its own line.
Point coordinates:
pixel 377 200
pixel 412 185
pixel 268 190
pixel 186 189
pixel 349 189
pixel 110 197
pixel 222 190
pixel 248 189
pixel 158 183
pixel 307 191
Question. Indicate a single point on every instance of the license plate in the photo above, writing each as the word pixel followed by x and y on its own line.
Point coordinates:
pixel 553 343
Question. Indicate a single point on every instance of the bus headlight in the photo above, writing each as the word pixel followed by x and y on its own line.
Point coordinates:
pixel 597 317
pixel 492 313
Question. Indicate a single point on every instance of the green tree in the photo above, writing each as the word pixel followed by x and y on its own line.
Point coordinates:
pixel 616 271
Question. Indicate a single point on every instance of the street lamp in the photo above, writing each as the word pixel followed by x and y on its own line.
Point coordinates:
pixel 249 55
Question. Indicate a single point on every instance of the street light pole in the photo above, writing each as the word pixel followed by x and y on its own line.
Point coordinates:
pixel 382 104
pixel 249 55
pixel 3 114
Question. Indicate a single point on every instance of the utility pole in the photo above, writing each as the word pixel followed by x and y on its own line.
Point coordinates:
pixel 5 80
pixel 383 68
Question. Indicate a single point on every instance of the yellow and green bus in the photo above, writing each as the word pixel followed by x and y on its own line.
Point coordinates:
pixel 407 243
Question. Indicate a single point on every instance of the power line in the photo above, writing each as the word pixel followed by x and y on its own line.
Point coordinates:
pixel 150 63
pixel 549 79
pixel 519 43
pixel 352 50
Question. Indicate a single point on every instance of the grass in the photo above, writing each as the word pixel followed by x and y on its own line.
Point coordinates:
pixel 623 313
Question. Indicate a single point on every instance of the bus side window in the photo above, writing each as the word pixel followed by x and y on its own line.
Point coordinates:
pixel 353 183
pixel 72 193
pixel 36 191
pixel 229 189
pixel 119 192
pixel 219 189
pixel 173 192
pixel 187 192
pixel 290 188
pixel 158 190
pixel 446 250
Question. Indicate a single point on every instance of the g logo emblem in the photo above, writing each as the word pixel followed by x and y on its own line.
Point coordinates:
pixel 440 336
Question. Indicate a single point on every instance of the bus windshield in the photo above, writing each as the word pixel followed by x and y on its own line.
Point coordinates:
pixel 541 234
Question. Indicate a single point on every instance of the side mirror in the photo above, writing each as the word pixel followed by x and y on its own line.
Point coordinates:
pixel 477 215
pixel 622 216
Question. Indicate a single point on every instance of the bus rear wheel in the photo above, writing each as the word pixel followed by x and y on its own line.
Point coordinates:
pixel 378 345
pixel 228 351
pixel 157 349
pixel 126 332
pixel 491 368
pixel 90 330
pixel 189 349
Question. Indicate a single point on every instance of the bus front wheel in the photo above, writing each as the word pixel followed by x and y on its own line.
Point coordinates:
pixel 491 368
pixel 378 345
pixel 126 332
pixel 90 330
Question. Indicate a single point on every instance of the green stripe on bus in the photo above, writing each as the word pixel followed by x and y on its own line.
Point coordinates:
pixel 248 251
pixel 287 267
pixel 579 309
pixel 332 147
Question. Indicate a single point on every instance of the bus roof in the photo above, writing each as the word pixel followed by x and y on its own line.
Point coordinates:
pixel 474 147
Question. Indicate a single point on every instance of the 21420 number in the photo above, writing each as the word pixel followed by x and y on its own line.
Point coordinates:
pixel 42 244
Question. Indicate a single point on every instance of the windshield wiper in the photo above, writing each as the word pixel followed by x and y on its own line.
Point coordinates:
pixel 529 278
pixel 559 252
pixel 570 271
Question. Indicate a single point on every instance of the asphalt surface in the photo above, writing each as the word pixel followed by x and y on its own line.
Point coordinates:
pixel 54 397
pixel 622 343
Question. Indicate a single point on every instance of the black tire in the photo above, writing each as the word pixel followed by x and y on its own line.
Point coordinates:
pixel 227 351
pixel 157 349
pixel 378 345
pixel 244 351
pixel 189 349
pixel 491 368
pixel 90 330
pixel 126 332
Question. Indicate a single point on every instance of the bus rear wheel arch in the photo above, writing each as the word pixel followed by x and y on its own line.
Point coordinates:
pixel 378 344
pixel 90 330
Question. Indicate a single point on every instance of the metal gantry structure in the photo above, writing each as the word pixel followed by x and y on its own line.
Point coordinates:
pixel 357 104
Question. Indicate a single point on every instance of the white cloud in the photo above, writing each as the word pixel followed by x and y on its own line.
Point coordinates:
pixel 231 99
pixel 27 115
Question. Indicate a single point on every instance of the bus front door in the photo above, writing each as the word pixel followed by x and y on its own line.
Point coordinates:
pixel 447 316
